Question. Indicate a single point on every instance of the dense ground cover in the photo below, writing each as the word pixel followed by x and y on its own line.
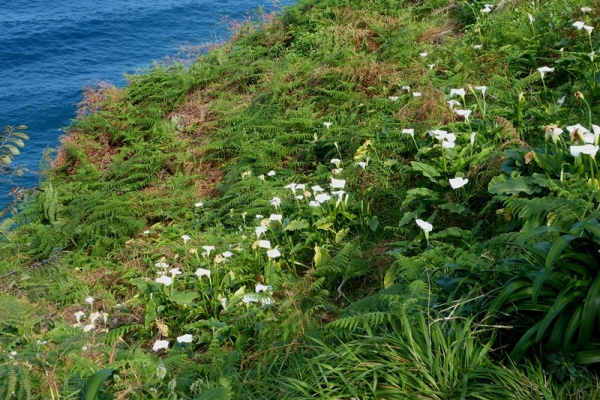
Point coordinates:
pixel 357 199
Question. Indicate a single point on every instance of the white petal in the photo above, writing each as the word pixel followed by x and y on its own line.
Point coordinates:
pixel 426 226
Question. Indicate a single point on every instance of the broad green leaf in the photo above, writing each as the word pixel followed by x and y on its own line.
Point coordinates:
pixel 150 312
pixel 96 383
pixel 508 290
pixel 526 341
pixel 323 223
pixel 183 298
pixel 574 323
pixel 427 170
pixel 341 235
pixel 562 301
pixel 455 208
pixel 408 217
pixel 558 246
pixel 374 223
pixel 514 185
pixel 587 357
pixel 297 224
pixel 589 313
pixel 451 233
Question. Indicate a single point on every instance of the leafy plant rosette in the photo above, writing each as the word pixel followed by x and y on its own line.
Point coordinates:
pixel 551 294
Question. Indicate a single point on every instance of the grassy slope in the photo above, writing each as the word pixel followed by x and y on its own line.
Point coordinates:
pixel 126 180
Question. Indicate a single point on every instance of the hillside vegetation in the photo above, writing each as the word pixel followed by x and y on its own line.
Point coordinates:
pixel 355 199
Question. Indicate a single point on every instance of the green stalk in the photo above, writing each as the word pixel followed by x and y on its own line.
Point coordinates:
pixel 589 109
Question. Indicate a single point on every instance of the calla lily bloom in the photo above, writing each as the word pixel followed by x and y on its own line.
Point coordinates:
pixel 423 54
pixel 588 149
pixel 175 271
pixel 457 92
pixel 275 217
pixel 186 238
pixel 482 89
pixel 552 132
pixel 438 134
pixel 160 344
pixel 327 124
pixel 393 98
pixel 199 204
pixel 273 253
pixel 161 264
pixel 336 161
pixel 94 316
pixel 577 132
pixel 89 299
pixel 262 288
pixel 271 173
pixel 187 338
pixel 322 197
pixel 457 183
pixel 585 9
pixel 79 315
pixel 259 230
pixel 544 70
pixel 579 25
pixel 165 280
pixel 314 203
pixel 426 226
pixel 446 144
pixel 453 103
pixel 208 249
pixel 200 272
pixel 291 186
pixel 264 244
pixel 463 113
pixel 362 164
pixel 275 201
pixel 409 131
pixel 227 254
pixel 338 183
pixel 317 188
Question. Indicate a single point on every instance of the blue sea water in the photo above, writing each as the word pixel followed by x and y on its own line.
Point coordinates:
pixel 50 50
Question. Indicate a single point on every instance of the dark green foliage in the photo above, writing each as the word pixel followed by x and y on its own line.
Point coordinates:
pixel 549 293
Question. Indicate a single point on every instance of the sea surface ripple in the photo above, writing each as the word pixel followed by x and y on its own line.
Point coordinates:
pixel 49 51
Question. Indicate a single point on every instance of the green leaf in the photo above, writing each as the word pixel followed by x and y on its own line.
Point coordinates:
pixel 408 217
pixel 374 223
pixel 451 233
pixel 341 235
pixel 519 184
pixel 324 224
pixel 297 224
pixel 587 357
pixel 563 300
pixel 150 313
pixel 558 246
pixel 183 298
pixel 455 208
pixel 427 170
pixel 590 312
pixel 97 380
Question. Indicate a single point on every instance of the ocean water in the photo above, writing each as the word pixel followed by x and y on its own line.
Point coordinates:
pixel 49 51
